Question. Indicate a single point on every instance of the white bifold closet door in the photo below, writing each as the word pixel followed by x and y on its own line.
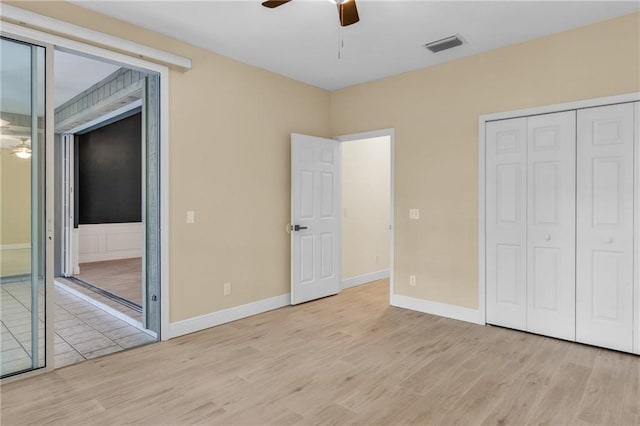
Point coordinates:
pixel 506 222
pixel 604 293
pixel 551 237
pixel 530 224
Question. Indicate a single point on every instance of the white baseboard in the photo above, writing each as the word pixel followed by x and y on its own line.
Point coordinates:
pixel 363 279
pixel 15 246
pixel 191 325
pixel 435 308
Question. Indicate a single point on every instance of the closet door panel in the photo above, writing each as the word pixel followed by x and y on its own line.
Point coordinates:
pixel 605 176
pixel 506 223
pixel 551 224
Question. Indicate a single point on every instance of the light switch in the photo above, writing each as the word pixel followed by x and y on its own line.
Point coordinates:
pixel 191 216
pixel 414 213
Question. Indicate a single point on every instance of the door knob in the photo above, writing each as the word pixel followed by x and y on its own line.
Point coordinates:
pixel 298 227
pixel 608 240
pixel 547 237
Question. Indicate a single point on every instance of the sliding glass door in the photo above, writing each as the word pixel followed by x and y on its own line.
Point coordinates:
pixel 22 209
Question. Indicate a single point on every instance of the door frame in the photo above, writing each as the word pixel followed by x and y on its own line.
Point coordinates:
pixel 50 42
pixel 389 132
pixel 547 109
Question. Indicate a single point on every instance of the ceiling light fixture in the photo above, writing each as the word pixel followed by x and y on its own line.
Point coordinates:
pixel 444 44
pixel 23 150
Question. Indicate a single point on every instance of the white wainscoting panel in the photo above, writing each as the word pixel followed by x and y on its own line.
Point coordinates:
pixel 109 241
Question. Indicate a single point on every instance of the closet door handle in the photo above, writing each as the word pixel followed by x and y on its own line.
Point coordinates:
pixel 608 240
pixel 547 237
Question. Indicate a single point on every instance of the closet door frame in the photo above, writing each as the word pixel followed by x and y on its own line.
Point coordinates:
pixel 636 226
pixel 586 103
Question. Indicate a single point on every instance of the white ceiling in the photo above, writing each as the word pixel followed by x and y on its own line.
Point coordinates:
pixel 300 39
pixel 74 74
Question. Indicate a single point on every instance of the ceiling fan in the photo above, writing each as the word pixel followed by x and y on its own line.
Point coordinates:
pixel 22 150
pixel 347 11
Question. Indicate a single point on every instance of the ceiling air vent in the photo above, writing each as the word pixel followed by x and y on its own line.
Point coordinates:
pixel 444 44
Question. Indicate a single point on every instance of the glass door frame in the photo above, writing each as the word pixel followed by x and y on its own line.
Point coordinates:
pixel 51 42
pixel 41 199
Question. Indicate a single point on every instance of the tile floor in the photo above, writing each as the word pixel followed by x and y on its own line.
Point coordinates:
pixel 82 331
pixel 135 315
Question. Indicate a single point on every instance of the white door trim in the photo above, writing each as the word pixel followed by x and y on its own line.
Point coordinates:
pixel 43 38
pixel 17 14
pixel 482 120
pixel 375 134
pixel 636 228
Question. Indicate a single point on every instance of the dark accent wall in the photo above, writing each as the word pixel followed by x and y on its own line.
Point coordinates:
pixel 109 173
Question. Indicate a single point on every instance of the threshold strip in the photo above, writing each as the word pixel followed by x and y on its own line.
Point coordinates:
pixel 128 303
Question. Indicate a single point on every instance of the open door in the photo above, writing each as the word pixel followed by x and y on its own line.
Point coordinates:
pixel 315 218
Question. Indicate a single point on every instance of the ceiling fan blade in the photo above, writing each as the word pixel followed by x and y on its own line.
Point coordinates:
pixel 348 12
pixel 274 3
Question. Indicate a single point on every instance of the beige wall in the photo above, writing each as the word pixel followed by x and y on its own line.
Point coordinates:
pixel 229 162
pixel 435 115
pixel 366 191
pixel 229 136
pixel 15 199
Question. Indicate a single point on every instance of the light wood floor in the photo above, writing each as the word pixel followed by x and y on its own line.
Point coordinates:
pixel 344 359
pixel 120 277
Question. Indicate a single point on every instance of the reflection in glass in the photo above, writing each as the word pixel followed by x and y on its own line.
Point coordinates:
pixel 21 206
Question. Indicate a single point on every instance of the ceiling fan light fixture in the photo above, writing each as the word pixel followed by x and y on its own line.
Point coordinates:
pixel 23 150
pixel 22 153
pixel 347 9
pixel 444 44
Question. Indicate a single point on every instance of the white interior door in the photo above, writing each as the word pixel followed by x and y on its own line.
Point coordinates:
pixel 506 232
pixel 604 296
pixel 315 218
pixel 551 141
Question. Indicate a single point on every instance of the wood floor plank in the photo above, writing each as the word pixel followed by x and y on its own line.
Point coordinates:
pixel 603 396
pixel 347 359
pixel 122 277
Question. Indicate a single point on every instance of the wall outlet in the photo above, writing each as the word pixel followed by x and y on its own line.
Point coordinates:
pixel 414 213
pixel 412 280
pixel 227 289
pixel 191 217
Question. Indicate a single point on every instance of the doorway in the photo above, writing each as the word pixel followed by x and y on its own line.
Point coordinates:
pixel 38 95
pixel 317 215
pixel 366 210
pixel 107 259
